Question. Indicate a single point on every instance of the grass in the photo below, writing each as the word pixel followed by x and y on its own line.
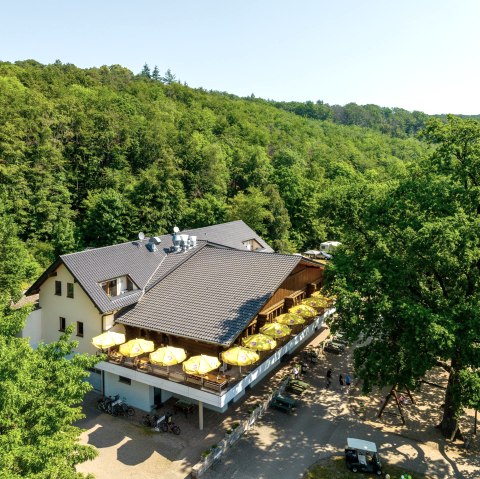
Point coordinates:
pixel 335 468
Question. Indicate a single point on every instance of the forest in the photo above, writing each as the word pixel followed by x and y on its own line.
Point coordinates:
pixel 90 157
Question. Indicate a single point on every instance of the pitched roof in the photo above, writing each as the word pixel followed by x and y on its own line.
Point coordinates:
pixel 212 296
pixel 145 268
pixel 231 234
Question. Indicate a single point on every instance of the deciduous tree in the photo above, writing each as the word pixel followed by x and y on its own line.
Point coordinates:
pixel 408 277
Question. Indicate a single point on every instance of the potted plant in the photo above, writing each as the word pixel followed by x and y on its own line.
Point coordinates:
pixel 206 453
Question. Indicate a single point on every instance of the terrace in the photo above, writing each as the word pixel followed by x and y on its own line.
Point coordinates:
pixel 220 386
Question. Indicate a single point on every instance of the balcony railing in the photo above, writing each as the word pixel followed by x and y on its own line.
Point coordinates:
pixel 213 382
pixel 216 382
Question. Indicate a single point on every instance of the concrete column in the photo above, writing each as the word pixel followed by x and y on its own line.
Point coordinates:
pixel 200 415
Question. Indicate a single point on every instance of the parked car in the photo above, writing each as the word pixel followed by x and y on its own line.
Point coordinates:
pixel 362 456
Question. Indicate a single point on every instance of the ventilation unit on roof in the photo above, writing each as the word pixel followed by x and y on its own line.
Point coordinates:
pixel 184 242
pixel 155 240
pixel 151 247
pixel 176 240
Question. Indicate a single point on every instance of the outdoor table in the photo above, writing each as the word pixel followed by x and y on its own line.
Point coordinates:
pixel 214 381
pixel 184 406
pixel 143 364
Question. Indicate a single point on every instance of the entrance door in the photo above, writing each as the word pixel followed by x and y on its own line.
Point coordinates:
pixel 157 397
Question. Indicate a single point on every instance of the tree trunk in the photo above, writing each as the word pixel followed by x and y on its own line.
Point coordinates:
pixel 452 407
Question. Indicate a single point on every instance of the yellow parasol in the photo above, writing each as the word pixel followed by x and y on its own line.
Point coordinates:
pixel 275 330
pixel 327 299
pixel 316 302
pixel 136 347
pixel 108 339
pixel 200 364
pixel 168 356
pixel 259 342
pixel 240 356
pixel 290 319
pixel 304 311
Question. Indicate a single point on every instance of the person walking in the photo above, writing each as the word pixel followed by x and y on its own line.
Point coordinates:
pixel 295 370
pixel 340 380
pixel 329 378
pixel 348 380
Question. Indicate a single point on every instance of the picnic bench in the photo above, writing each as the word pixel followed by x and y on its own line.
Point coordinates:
pixel 283 403
pixel 296 386
pixel 185 406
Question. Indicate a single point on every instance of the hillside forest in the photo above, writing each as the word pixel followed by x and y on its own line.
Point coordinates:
pixel 91 157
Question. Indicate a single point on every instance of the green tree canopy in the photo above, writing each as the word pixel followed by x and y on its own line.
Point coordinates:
pixel 408 276
pixel 40 396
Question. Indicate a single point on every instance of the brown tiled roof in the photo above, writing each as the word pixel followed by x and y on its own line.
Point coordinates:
pixel 212 296
pixel 145 268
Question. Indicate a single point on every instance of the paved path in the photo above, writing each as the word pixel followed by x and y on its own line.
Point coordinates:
pixel 286 446
pixel 280 446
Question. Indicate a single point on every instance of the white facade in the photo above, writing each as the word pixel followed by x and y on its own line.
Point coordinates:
pixel 44 323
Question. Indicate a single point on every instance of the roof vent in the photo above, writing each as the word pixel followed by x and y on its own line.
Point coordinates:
pixel 155 240
pixel 151 247
pixel 184 242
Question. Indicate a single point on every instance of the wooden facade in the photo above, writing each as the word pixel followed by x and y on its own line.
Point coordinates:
pixel 302 282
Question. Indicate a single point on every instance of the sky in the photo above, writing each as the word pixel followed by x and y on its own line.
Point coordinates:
pixel 418 55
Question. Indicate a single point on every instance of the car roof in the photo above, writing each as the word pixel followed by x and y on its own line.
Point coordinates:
pixel 361 444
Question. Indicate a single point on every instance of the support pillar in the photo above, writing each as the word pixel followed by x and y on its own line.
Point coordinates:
pixel 200 415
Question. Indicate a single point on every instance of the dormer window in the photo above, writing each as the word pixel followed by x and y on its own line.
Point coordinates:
pixel 118 286
pixel 252 245
pixel 110 287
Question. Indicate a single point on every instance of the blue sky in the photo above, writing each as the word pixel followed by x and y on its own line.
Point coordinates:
pixel 419 55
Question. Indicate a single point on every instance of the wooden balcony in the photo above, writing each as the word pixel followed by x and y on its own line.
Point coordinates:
pixel 217 382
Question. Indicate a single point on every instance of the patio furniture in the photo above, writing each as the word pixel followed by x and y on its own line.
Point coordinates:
pixel 214 381
pixel 115 357
pixel 297 387
pixel 143 364
pixel 284 403
pixel 185 406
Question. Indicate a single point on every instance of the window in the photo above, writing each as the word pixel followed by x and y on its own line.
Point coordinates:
pixel 63 324
pixel 69 290
pixel 110 287
pixel 124 380
pixel 80 329
pixel 58 288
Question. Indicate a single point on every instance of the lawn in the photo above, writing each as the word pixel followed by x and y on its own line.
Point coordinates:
pixel 335 468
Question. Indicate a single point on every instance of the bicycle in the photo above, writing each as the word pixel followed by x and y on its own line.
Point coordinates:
pixel 150 420
pixel 105 402
pixel 121 408
pixel 169 426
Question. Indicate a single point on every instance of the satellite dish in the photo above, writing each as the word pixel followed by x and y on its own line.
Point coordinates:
pixel 141 236
pixel 176 229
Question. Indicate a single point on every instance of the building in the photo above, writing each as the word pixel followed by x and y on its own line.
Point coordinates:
pixel 202 290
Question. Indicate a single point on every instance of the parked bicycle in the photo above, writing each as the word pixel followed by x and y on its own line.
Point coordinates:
pixel 151 420
pixel 105 402
pixel 169 426
pixel 121 408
